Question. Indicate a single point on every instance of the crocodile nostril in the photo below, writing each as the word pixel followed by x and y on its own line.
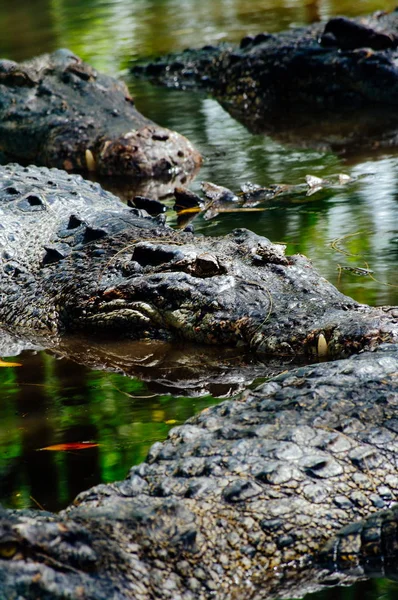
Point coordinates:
pixel 34 200
pixel 154 255
pixel 160 137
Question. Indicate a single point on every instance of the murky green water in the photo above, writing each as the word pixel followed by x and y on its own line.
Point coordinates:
pixel 49 400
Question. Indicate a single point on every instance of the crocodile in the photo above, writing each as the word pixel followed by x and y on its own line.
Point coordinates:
pixel 58 111
pixel 285 490
pixel 304 79
pixel 75 258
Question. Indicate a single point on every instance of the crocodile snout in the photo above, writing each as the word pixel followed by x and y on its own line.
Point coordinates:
pixel 151 151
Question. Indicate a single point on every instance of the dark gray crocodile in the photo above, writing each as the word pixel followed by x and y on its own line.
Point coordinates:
pixel 343 64
pixel 74 257
pixel 245 498
pixel 56 110
pixel 243 501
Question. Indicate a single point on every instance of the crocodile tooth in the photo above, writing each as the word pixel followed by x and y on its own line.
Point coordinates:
pixel 90 161
pixel 322 347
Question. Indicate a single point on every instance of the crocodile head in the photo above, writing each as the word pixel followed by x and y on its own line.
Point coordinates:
pixel 79 119
pixel 42 556
pixel 237 290
pixel 75 257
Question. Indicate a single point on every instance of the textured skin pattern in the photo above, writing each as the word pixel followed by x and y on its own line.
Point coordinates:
pixel 56 110
pixel 75 257
pixel 236 503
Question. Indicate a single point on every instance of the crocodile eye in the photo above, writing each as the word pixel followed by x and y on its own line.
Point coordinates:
pixel 8 550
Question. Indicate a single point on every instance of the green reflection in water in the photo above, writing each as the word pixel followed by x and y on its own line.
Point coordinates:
pixel 48 401
pixel 110 33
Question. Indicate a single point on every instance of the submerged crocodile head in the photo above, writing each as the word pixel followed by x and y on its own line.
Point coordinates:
pixel 75 257
pixel 58 111
pixel 332 85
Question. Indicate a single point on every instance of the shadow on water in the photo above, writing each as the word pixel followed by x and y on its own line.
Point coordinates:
pixel 112 399
pixel 123 398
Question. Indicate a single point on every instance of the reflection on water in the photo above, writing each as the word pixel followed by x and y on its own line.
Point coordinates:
pixel 49 401
pixel 110 33
pixel 121 396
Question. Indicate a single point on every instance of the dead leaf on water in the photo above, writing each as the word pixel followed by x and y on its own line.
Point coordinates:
pixel 187 211
pixel 4 363
pixel 70 446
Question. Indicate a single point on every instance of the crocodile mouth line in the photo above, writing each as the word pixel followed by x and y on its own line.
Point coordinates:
pixel 120 310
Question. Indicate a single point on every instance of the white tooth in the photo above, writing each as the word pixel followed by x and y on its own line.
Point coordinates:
pixel 343 178
pixel 90 160
pixel 322 345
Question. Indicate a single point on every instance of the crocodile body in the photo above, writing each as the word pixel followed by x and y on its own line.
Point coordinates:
pixel 56 110
pixel 74 257
pixel 244 500
pixel 345 64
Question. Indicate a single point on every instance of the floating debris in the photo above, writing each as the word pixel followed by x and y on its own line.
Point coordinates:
pixel 218 193
pixel 153 207
pixel 218 199
pixel 315 184
pixel 356 270
pixel 252 194
pixel 70 446
pixel 248 188
pixel 186 199
pixel 4 363
pixel 314 181
pixel 343 179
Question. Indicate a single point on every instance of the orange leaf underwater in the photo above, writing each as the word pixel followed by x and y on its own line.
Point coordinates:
pixel 70 446
pixel 4 363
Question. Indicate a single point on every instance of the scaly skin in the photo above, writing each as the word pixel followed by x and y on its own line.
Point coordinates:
pixel 235 504
pixel 75 257
pixel 56 110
